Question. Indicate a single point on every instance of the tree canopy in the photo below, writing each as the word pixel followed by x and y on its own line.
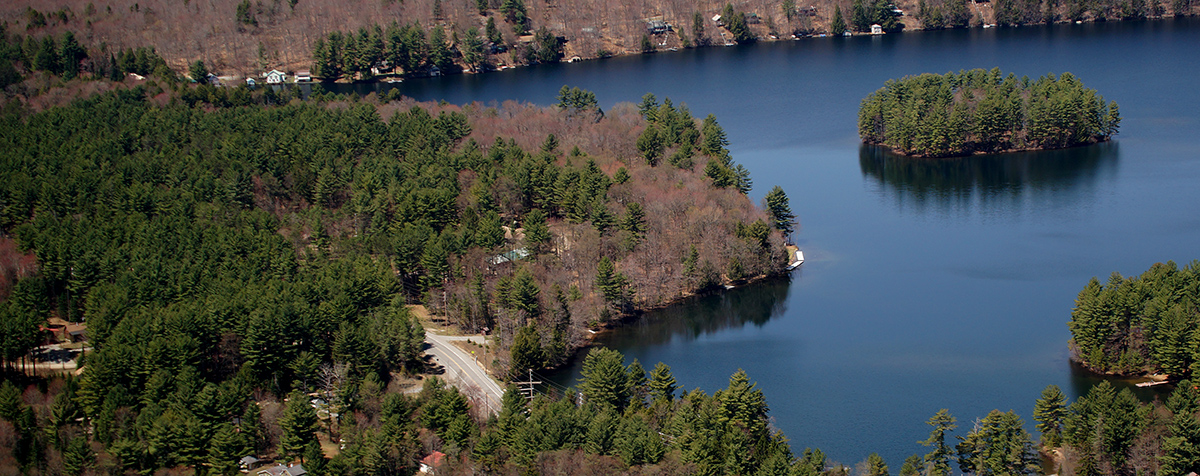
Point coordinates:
pixel 1138 324
pixel 980 111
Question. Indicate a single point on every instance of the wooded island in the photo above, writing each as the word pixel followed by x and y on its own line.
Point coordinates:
pixel 980 112
pixel 1139 324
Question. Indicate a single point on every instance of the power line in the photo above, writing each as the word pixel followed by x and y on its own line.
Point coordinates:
pixel 551 383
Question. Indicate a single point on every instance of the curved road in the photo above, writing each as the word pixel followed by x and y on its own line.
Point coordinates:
pixel 461 369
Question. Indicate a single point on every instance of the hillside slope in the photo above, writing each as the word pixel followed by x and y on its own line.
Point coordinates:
pixel 244 37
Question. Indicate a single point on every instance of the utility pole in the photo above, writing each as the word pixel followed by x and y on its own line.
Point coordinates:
pixel 526 388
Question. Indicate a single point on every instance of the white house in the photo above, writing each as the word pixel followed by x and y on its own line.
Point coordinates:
pixel 876 29
pixel 275 76
pixel 303 76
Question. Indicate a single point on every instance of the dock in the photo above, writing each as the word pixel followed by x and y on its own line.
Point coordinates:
pixel 1156 379
pixel 799 260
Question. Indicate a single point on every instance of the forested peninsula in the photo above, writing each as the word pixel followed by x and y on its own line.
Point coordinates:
pixel 249 222
pixel 980 112
pixel 1140 325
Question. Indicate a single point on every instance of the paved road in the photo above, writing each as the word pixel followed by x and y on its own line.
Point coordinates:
pixel 461 369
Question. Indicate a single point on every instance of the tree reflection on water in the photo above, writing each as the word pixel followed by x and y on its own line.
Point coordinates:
pixel 755 304
pixel 989 182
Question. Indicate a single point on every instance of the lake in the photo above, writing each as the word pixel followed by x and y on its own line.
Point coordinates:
pixel 928 284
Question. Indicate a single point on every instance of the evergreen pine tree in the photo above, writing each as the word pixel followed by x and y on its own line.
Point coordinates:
pixel 858 17
pixel 937 462
pixel 635 377
pixel 298 424
pixel 876 466
pixel 605 382
pixel 526 352
pixel 777 205
pixel 838 27
pixel 1050 411
pixel 662 383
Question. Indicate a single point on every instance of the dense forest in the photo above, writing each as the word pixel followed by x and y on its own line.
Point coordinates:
pixel 226 246
pixel 1110 432
pixel 620 419
pixel 1138 325
pixel 978 111
pixel 407 50
pixel 170 206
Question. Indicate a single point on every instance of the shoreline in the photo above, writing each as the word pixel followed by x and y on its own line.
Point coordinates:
pixel 630 319
pixel 1141 379
pixel 394 79
pixel 892 151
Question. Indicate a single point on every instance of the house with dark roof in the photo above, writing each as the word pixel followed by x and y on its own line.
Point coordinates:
pixel 247 463
pixel 281 470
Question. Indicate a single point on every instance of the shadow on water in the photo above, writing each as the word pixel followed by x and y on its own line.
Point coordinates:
pixel 1082 380
pixel 754 304
pixel 988 181
pixel 686 321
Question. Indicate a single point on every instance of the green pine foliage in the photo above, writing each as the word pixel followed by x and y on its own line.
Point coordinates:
pixel 407 49
pixel 1104 424
pixel 782 218
pixel 980 111
pixel 227 254
pixel 876 12
pixel 526 353
pixel 662 384
pixel 838 26
pixel 937 461
pixel 735 22
pixel 939 14
pixel 998 444
pixel 1139 324
pixel 65 56
pixel 579 102
pixel 1050 412
pixel 298 425
pixel 876 466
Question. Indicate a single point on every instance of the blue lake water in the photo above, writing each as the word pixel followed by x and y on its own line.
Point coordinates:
pixel 928 284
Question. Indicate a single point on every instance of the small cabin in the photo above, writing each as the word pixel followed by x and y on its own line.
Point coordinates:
pixel 247 463
pixel 250 82
pixel 304 76
pixel 275 76
pixel 430 464
pixel 876 29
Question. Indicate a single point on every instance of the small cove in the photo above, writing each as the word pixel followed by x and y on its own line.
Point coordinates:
pixel 928 284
